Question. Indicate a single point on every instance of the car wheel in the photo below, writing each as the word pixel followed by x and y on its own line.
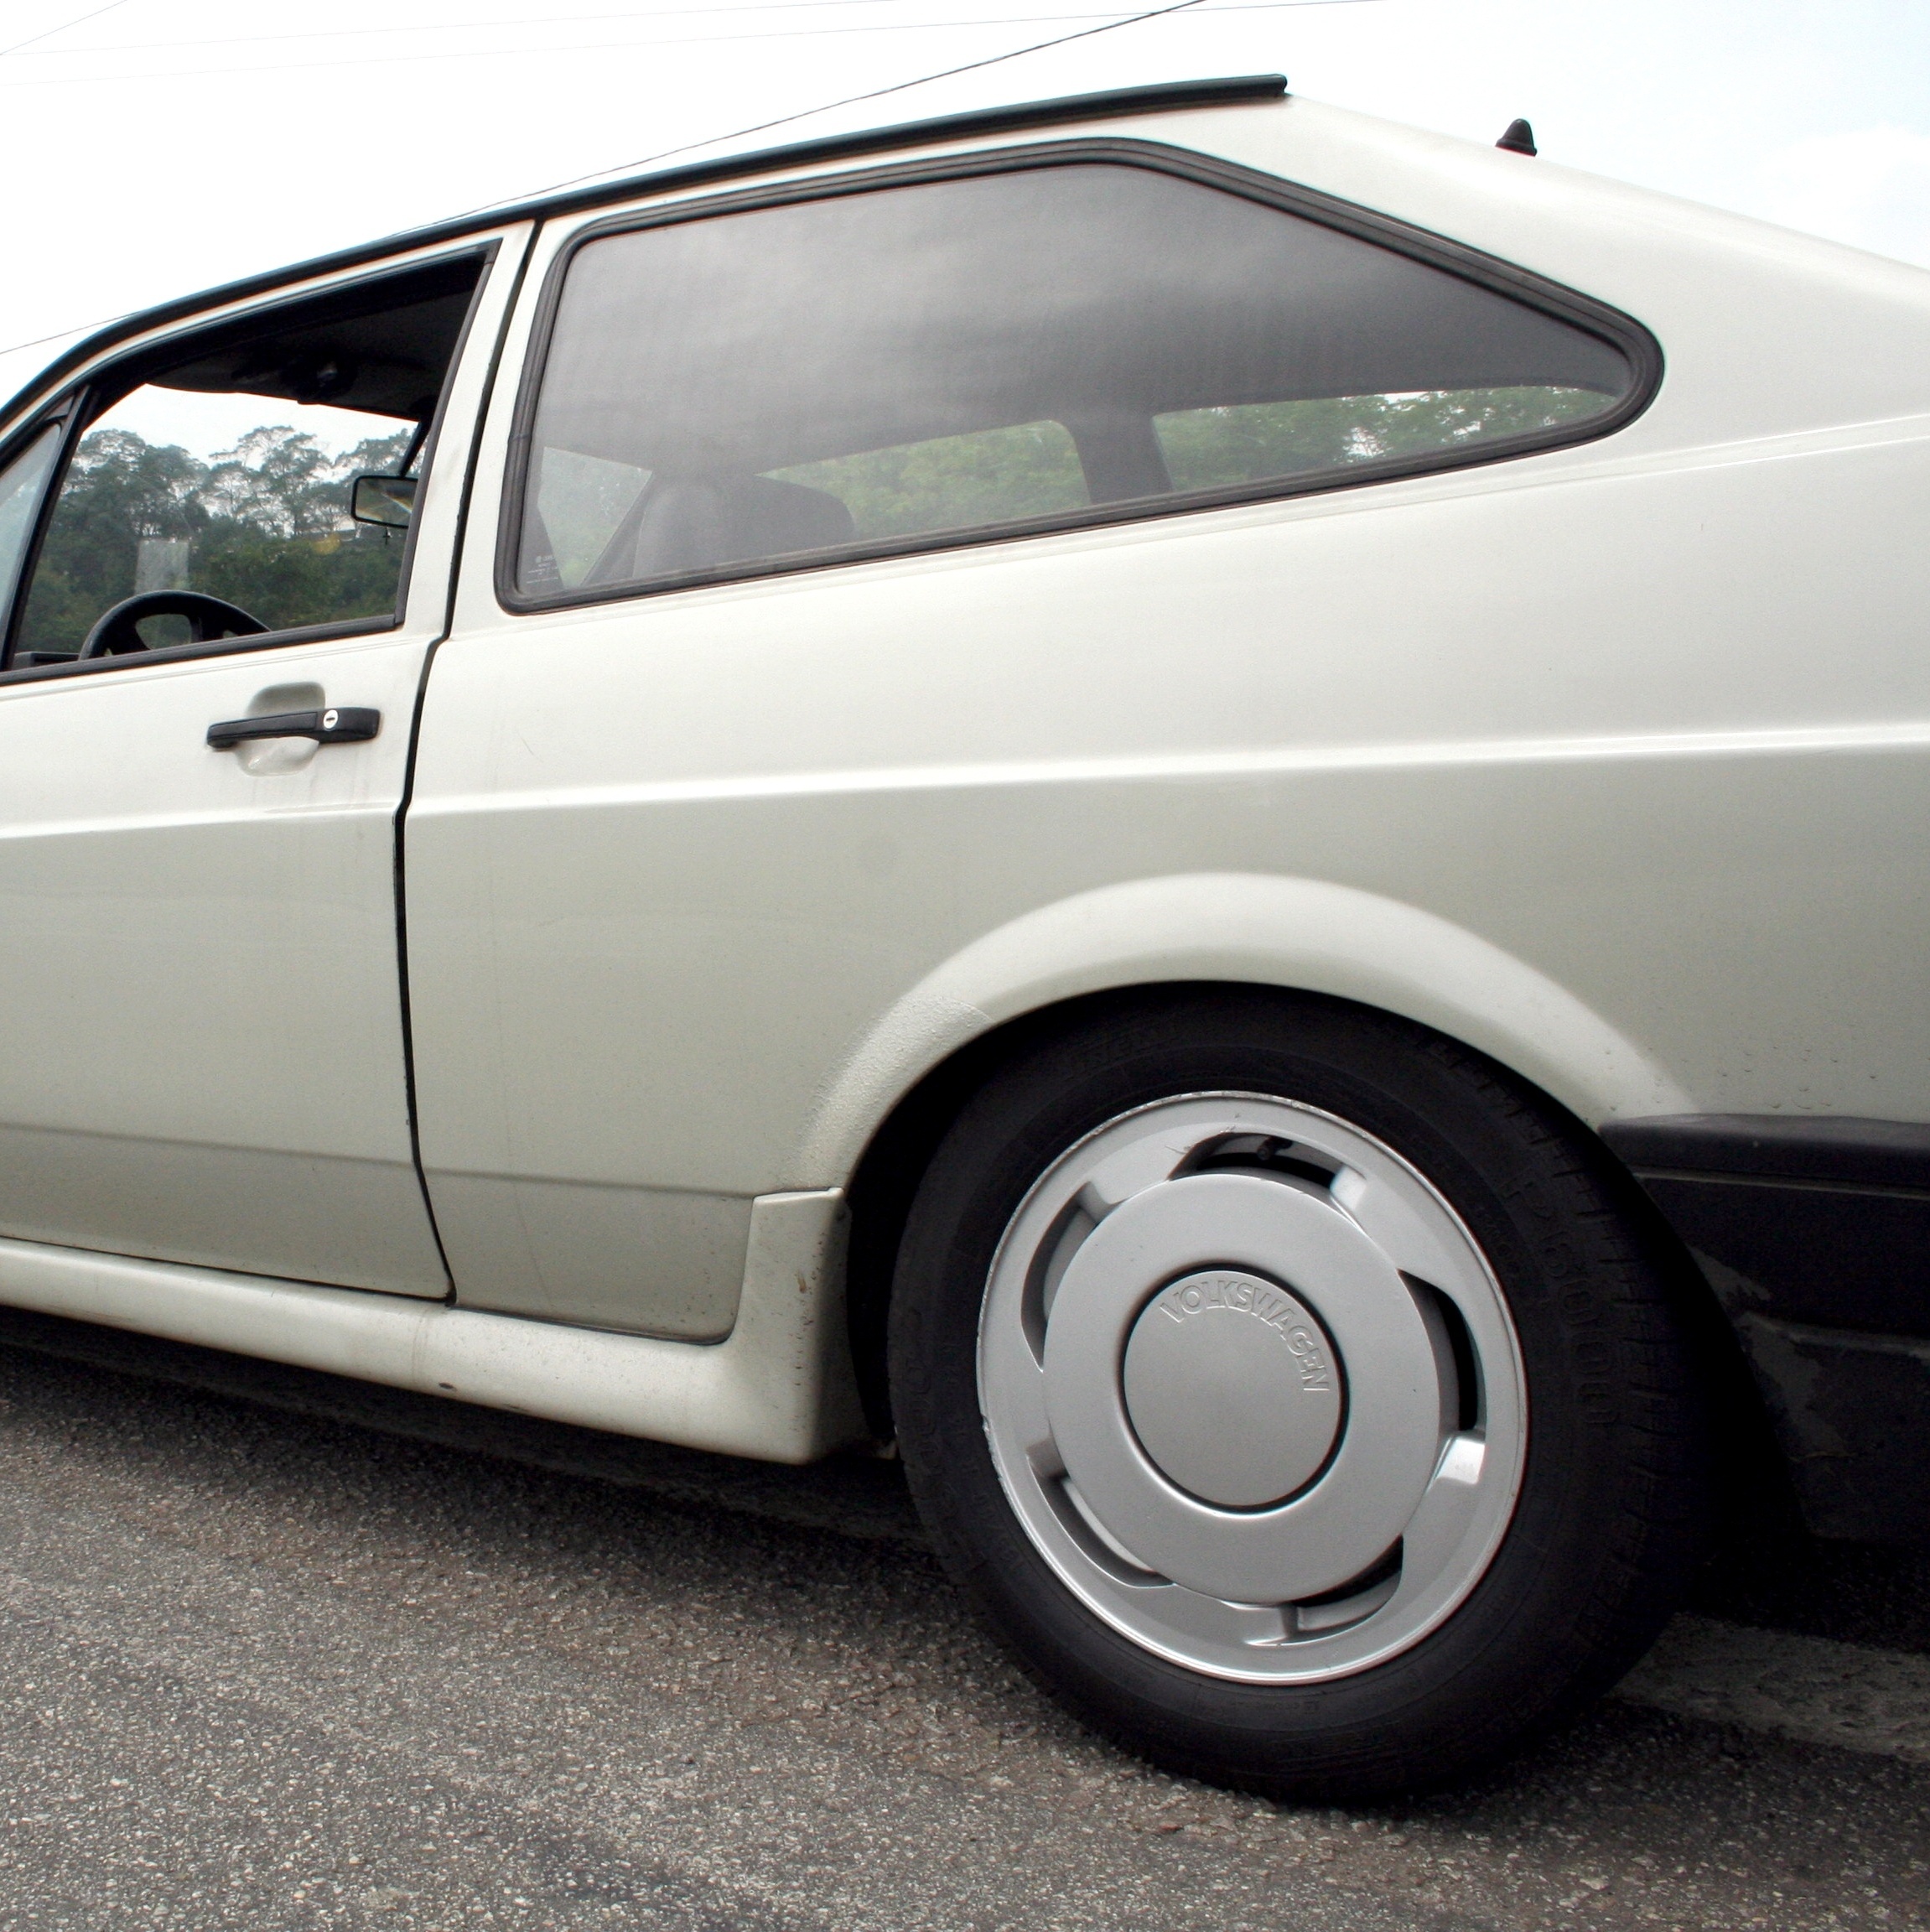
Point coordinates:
pixel 1289 1389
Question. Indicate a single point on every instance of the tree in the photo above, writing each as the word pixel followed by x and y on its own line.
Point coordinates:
pixel 266 526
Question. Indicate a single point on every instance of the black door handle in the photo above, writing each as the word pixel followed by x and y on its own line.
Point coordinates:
pixel 350 726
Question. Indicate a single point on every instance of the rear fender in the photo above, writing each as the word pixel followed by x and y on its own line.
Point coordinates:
pixel 1306 934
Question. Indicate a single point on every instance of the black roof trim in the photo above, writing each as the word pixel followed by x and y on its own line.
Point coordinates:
pixel 1228 91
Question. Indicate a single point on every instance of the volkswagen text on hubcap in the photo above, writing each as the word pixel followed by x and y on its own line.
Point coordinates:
pixel 1251 1387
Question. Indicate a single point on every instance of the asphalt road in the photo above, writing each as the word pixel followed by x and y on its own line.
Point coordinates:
pixel 283 1652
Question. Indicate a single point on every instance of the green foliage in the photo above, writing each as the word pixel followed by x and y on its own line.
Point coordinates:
pixel 1250 442
pixel 991 475
pixel 265 526
pixel 1033 469
pixel 581 500
pixel 953 482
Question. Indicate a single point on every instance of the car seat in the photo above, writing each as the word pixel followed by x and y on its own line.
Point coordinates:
pixel 695 524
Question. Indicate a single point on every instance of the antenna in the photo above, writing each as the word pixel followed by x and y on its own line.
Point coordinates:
pixel 1519 139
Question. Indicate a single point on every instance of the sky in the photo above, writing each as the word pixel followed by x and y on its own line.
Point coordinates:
pixel 151 148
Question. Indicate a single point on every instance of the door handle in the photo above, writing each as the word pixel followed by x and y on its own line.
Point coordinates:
pixel 350 725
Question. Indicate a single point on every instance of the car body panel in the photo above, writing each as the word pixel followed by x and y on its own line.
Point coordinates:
pixel 1608 761
pixel 704 846
pixel 202 1054
pixel 780 1389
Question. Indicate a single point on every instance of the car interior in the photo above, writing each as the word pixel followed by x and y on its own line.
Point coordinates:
pixel 209 493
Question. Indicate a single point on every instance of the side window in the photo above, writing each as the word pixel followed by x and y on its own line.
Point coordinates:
pixel 217 484
pixel 931 361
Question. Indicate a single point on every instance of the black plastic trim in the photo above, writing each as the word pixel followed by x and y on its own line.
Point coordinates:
pixel 1825 1221
pixel 1623 332
pixel 1813 1233
pixel 1842 1151
pixel 339 725
pixel 1166 97
pixel 1851 1414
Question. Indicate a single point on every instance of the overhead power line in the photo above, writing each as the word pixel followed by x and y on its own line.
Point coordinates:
pixel 79 20
pixel 1114 17
pixel 781 121
pixel 433 26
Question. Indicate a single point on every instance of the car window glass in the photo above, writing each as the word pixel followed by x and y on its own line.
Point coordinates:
pixel 967 354
pixel 217 477
pixel 952 482
pixel 20 484
pixel 169 492
pixel 580 502
pixel 1214 447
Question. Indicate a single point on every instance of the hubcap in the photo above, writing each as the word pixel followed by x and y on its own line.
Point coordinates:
pixel 1251 1387
pixel 1231 1388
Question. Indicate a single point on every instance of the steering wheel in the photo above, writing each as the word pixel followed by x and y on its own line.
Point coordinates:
pixel 114 635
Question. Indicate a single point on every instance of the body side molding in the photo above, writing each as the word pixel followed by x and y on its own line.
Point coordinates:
pixel 780 1387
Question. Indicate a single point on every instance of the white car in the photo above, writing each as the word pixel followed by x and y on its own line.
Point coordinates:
pixel 1211 810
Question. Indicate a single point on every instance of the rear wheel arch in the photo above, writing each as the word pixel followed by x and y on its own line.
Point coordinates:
pixel 887 1175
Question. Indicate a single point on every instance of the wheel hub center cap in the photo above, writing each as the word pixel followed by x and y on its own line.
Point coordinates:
pixel 1233 1388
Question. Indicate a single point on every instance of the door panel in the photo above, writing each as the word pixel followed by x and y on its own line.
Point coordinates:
pixel 202 1040
pixel 200 1048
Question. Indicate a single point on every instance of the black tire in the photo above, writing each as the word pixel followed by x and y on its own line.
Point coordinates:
pixel 1612 1509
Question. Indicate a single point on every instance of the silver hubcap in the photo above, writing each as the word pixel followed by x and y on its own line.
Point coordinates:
pixel 1252 1389
pixel 1231 1389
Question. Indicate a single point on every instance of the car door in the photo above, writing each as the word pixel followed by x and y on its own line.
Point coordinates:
pixel 201 1038
pixel 839 616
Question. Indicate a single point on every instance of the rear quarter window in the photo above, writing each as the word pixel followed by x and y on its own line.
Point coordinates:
pixel 945 361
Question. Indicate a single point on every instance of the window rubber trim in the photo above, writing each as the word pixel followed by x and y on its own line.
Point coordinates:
pixel 83 405
pixel 1621 331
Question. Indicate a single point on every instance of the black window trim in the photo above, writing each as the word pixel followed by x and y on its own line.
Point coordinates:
pixel 1489 271
pixel 80 406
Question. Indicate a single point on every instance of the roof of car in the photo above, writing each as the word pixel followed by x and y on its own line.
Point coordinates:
pixel 1116 103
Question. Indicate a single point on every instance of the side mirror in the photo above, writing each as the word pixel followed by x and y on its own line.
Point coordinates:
pixel 386 501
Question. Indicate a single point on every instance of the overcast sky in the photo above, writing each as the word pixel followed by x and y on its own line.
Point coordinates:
pixel 155 146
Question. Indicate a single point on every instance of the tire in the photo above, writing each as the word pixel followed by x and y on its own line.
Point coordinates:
pixel 1287 1387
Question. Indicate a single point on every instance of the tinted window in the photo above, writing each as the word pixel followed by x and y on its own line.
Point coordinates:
pixel 958 355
